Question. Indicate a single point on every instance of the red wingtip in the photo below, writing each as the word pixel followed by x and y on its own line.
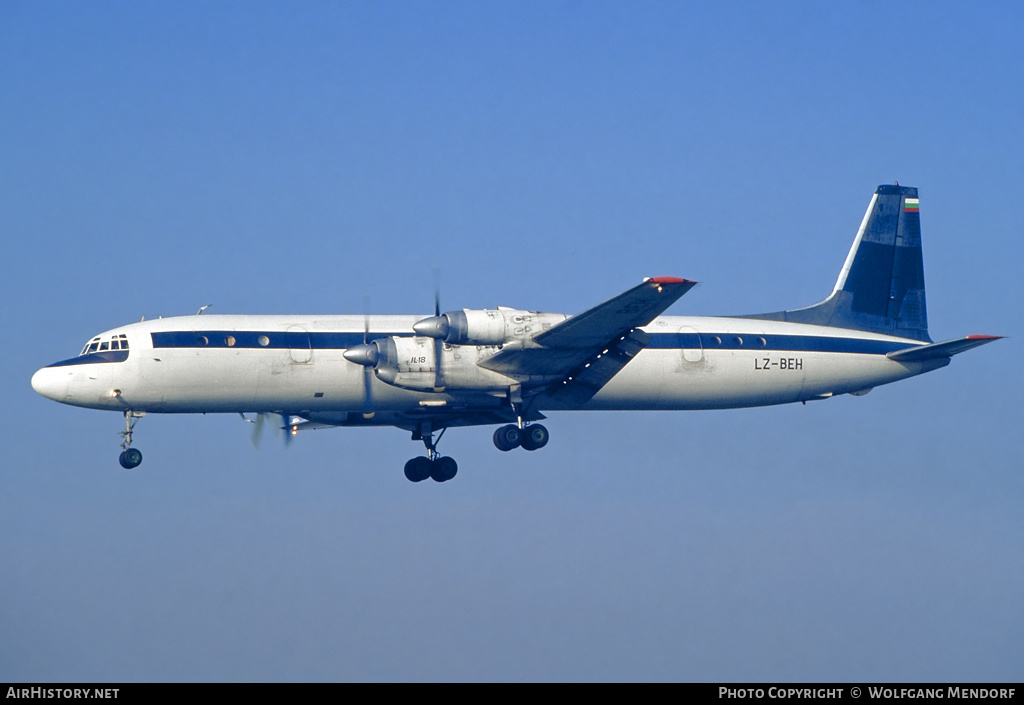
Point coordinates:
pixel 984 337
pixel 670 280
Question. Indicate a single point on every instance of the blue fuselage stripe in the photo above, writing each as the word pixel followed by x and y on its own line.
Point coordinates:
pixel 659 341
pixel 260 339
pixel 779 343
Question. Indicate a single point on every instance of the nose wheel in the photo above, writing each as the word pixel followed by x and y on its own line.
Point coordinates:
pixel 130 458
pixel 437 467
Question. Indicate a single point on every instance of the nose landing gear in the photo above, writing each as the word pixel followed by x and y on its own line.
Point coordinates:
pixel 130 458
pixel 435 466
pixel 439 469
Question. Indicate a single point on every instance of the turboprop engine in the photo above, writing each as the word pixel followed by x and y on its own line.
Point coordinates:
pixel 486 327
pixel 445 352
pixel 409 362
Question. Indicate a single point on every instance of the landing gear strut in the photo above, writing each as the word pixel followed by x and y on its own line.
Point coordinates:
pixel 130 458
pixel 520 434
pixel 435 466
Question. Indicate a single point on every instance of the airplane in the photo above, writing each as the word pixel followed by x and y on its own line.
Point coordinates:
pixel 508 367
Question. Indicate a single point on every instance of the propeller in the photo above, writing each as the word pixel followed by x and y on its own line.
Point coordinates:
pixel 261 422
pixel 437 291
pixel 365 355
pixel 436 327
pixel 368 370
pixel 438 342
pixel 370 353
pixel 289 430
pixel 257 432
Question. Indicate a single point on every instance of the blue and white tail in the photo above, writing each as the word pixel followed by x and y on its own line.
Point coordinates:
pixel 881 286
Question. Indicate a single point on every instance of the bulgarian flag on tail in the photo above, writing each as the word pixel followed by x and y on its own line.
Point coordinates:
pixel 910 205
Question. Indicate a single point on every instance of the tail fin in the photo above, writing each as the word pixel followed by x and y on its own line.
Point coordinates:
pixel 881 286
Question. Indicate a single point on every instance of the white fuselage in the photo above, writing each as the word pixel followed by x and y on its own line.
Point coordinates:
pixel 226 363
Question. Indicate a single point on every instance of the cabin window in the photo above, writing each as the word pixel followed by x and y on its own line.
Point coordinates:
pixel 203 340
pixel 229 340
pixel 263 340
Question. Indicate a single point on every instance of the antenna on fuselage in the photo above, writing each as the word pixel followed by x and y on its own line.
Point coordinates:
pixel 200 311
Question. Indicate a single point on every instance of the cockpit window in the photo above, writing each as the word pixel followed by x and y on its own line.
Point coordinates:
pixel 116 342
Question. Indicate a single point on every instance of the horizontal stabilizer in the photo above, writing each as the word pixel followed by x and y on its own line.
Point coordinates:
pixel 933 351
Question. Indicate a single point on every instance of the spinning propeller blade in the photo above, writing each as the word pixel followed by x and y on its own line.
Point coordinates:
pixel 257 432
pixel 367 370
pixel 261 422
pixel 438 343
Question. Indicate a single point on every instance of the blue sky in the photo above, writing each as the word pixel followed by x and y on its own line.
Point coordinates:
pixel 297 157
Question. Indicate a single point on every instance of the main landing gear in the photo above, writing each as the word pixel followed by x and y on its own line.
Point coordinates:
pixel 437 467
pixel 520 434
pixel 130 458
pixel 532 437
pixel 441 468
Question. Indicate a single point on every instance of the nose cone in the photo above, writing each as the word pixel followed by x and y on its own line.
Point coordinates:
pixel 51 382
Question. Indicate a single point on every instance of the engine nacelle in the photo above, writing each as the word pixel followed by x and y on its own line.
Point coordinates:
pixel 475 327
pixel 411 363
pixel 486 326
pixel 407 362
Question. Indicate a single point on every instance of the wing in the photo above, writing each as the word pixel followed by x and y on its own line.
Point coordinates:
pixel 637 307
pixel 588 349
